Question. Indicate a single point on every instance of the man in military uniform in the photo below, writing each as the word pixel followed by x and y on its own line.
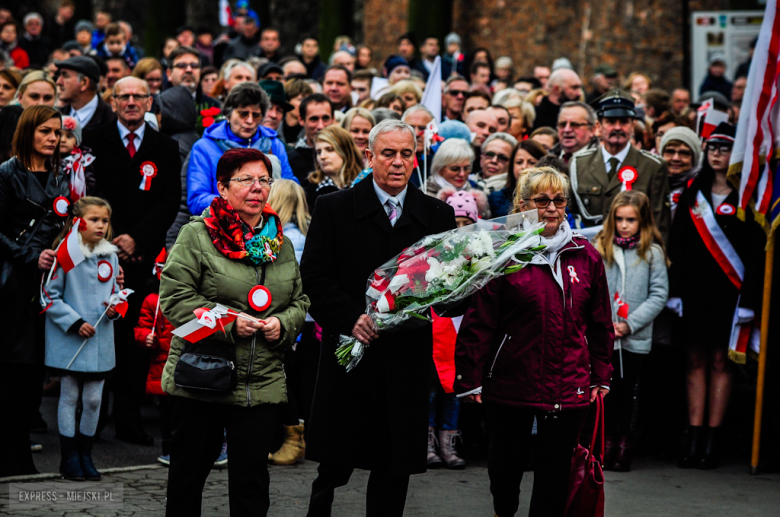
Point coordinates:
pixel 599 174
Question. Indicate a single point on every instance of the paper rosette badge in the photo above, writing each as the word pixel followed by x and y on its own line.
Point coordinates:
pixel 148 171
pixel 442 270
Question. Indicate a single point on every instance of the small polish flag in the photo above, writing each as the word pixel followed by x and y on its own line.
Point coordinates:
pixel 119 301
pixel 206 323
pixel 225 14
pixel 159 263
pixel 69 252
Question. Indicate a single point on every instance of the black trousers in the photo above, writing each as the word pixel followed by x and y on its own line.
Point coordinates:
pixel 196 441
pixel 619 406
pixel 385 496
pixel 510 449
pixel 19 387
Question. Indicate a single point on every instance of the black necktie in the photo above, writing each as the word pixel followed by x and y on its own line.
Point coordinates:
pixel 613 165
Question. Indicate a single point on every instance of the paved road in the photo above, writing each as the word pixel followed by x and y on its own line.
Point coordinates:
pixel 653 488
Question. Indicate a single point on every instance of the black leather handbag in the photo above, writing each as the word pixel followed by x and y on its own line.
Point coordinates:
pixel 207 367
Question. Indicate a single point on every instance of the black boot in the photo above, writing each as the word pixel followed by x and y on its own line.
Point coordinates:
pixel 709 458
pixel 85 454
pixel 70 466
pixel 690 452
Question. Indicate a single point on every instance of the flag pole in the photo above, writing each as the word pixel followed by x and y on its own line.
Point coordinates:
pixel 765 308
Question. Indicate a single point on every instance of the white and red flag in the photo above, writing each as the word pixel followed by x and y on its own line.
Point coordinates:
pixel 159 263
pixel 206 323
pixel 708 118
pixel 75 163
pixel 119 301
pixel 225 14
pixel 69 253
pixel 754 158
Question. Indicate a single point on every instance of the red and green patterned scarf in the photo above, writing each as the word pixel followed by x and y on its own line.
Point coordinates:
pixel 236 240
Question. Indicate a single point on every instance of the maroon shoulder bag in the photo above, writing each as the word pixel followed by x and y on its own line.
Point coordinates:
pixel 586 480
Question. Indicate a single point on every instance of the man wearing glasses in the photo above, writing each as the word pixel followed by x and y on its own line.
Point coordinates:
pixel 576 130
pixel 137 171
pixel 454 97
pixel 184 71
pixel 599 174
pixel 77 84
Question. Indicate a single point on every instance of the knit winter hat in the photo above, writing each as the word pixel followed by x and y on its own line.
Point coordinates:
pixel 462 202
pixel 451 38
pixel 72 126
pixel 394 62
pixel 688 137
pixel 83 25
pixel 454 129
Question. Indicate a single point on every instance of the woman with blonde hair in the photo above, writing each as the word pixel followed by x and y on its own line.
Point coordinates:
pixel 522 111
pixel 289 201
pixel 638 82
pixel 36 89
pixel 359 122
pixel 409 92
pixel 337 163
pixel 151 71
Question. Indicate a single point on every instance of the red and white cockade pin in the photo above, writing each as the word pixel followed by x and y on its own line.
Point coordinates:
pixel 61 205
pixel 105 271
pixel 148 171
pixel 259 298
pixel 726 209
pixel 627 176
pixel 573 274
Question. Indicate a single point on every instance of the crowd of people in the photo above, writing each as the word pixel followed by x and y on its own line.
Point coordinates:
pixel 202 177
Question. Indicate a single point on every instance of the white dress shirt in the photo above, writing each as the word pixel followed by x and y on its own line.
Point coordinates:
pixel 139 135
pixel 84 115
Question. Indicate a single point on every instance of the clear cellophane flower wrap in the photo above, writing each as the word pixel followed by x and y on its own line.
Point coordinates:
pixel 442 270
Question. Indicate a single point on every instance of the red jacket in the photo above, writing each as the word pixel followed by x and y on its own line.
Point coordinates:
pixel 531 341
pixel 162 339
pixel 20 58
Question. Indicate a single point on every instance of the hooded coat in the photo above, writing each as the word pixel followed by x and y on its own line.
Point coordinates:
pixel 77 297
pixel 202 169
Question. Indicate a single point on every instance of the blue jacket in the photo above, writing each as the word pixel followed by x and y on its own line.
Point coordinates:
pixel 130 55
pixel 79 295
pixel 202 170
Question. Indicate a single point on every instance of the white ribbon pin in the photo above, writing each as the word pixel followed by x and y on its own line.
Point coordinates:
pixel 573 274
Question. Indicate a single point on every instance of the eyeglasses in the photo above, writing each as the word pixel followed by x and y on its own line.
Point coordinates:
pixel 490 155
pixel 722 148
pixel 185 66
pixel 574 125
pixel 248 181
pixel 683 153
pixel 544 202
pixel 256 115
pixel 128 96
pixel 456 93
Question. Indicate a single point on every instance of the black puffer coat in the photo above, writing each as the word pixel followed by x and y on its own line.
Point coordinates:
pixel 28 225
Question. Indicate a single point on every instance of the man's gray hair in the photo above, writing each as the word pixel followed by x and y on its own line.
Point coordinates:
pixel 240 64
pixel 504 137
pixel 31 16
pixel 388 126
pixel 453 150
pixel 414 109
pixel 591 113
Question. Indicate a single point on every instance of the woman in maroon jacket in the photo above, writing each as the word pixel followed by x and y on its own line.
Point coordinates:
pixel 538 343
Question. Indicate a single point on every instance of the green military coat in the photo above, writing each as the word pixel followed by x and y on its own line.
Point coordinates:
pixel 594 192
pixel 197 275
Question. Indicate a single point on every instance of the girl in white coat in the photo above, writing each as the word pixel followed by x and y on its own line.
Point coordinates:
pixel 77 300
pixel 635 263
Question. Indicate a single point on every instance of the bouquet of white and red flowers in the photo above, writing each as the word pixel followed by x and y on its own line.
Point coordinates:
pixel 442 270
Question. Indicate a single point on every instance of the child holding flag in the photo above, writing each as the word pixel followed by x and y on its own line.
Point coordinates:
pixel 76 159
pixel 635 263
pixel 80 297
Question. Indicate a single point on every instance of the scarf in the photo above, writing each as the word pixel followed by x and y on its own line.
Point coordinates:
pixel 678 181
pixel 557 241
pixel 627 243
pixel 263 144
pixel 236 240
pixel 442 183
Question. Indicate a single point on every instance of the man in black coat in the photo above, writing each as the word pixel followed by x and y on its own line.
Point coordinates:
pixel 352 234
pixel 137 171
pixel 77 82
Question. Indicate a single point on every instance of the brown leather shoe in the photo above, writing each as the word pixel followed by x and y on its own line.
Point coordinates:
pixel 447 449
pixel 293 448
pixel 434 460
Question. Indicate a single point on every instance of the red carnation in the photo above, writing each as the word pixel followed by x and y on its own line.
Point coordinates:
pixel 207 121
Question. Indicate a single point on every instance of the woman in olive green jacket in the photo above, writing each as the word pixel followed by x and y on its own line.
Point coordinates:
pixel 221 258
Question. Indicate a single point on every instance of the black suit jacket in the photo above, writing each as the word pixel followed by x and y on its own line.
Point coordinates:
pixel 104 115
pixel 144 215
pixel 350 236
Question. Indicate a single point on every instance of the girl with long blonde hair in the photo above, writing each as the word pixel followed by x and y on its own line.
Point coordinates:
pixel 337 163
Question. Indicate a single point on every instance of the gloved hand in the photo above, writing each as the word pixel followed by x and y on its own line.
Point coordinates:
pixel 675 305
pixel 745 315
